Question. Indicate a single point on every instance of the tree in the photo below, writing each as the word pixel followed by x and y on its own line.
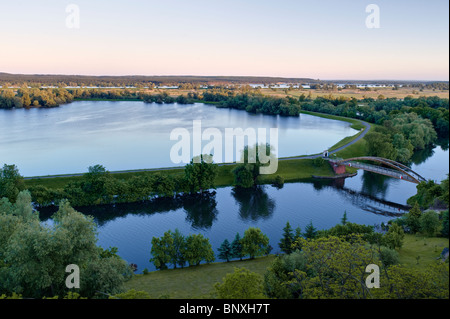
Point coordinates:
pixel 445 190
pixel 394 237
pixel 11 182
pixel 241 284
pixel 298 233
pixel 334 268
pixel 162 251
pixel 198 249
pixel 40 253
pixel 179 243
pixel 310 231
pixel 26 101
pixel 278 275
pixel 427 193
pixel 94 182
pixel 243 177
pixel 288 238
pixel 201 173
pixel 162 185
pixel 236 247
pixel 380 145
pixel 246 174
pixel 429 223
pixel 254 243
pixel 225 251
pixel 388 257
pixel 413 218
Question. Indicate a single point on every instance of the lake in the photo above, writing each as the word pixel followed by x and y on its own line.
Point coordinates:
pixel 84 133
pixel 136 135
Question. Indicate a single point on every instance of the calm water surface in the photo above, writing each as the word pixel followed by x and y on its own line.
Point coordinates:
pixel 367 198
pixel 136 135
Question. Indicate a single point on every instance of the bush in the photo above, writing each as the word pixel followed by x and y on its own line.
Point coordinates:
pixel 429 223
pixel 242 284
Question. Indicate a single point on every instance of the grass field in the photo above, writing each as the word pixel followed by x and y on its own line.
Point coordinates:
pixel 428 249
pixel 356 124
pixel 359 94
pixel 193 282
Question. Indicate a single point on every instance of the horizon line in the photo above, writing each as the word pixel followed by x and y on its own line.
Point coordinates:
pixel 223 76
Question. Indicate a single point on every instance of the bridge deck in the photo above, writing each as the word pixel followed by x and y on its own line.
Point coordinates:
pixel 381 170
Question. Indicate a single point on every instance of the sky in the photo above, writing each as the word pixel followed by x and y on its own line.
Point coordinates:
pixel 320 39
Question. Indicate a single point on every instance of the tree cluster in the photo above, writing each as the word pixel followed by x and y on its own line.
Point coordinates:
pixel 34 256
pixel 98 186
pixel 175 249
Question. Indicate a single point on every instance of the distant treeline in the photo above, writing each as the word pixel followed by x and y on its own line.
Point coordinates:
pixel 138 81
pixel 378 111
pixel 229 98
pixel 38 80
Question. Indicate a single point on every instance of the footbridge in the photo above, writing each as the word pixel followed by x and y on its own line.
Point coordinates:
pixel 389 168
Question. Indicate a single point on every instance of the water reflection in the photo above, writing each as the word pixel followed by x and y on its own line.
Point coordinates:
pixel 201 209
pixel 421 156
pixel 254 203
pixel 373 204
pixel 443 143
pixel 368 198
pixel 375 184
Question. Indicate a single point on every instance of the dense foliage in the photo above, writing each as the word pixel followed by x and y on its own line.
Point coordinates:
pixel 431 194
pixel 98 186
pixel 173 248
pixel 332 267
pixel 34 256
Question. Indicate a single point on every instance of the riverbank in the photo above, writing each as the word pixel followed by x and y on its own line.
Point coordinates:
pixel 290 170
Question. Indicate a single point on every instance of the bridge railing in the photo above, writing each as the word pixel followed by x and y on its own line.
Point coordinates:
pixel 380 170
